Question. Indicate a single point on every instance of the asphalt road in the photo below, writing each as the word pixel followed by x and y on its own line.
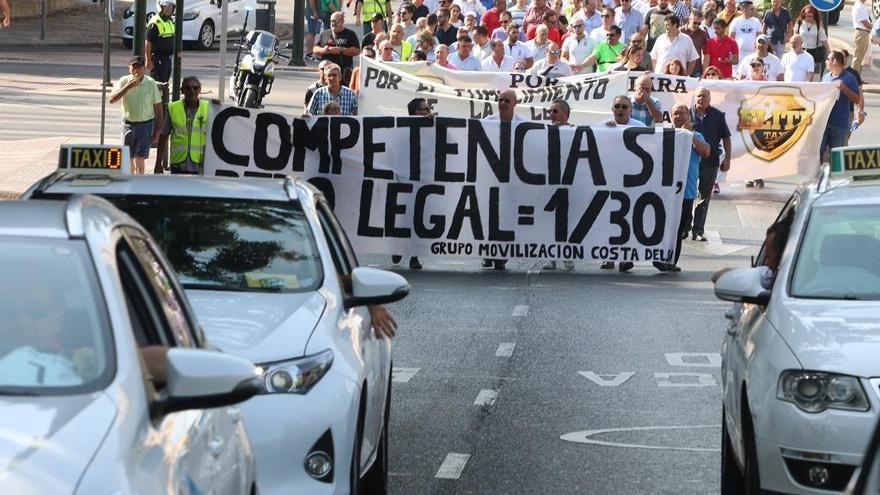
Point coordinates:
pixel 522 381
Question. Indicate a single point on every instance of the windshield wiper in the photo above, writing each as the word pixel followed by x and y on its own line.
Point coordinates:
pixel 227 288
pixel 13 391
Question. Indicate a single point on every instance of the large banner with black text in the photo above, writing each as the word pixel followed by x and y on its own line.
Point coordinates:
pixel 448 186
pixel 776 127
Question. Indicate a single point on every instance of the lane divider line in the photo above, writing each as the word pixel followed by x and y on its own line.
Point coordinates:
pixel 505 349
pixel 452 466
pixel 521 310
pixel 486 397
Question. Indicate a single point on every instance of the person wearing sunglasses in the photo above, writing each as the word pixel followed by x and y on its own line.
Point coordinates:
pixel 600 33
pixel 552 65
pixel 770 63
pixel 187 125
pixel 577 47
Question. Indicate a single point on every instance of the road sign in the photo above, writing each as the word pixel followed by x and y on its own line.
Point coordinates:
pixel 826 5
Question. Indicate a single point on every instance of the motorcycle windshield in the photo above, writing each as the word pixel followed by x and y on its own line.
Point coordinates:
pixel 263 46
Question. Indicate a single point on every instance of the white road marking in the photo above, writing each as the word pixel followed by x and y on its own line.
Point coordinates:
pixel 584 437
pixel 403 375
pixel 695 359
pixel 486 397
pixel 715 246
pixel 505 349
pixel 605 381
pixel 452 466
pixel 703 380
pixel 521 310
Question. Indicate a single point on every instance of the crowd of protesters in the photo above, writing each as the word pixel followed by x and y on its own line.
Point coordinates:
pixel 557 38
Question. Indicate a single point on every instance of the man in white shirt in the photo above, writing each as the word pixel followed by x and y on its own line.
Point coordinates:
pixel 516 48
pixel 861 33
pixel 498 61
pixel 538 46
pixel 578 46
pixel 773 70
pixel 481 48
pixel 462 58
pixel 552 65
pixel 674 44
pixel 601 33
pixel 798 63
pixel 745 29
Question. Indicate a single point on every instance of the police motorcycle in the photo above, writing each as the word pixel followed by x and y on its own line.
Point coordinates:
pixel 254 72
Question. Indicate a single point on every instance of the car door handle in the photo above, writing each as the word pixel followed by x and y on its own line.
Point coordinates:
pixel 234 414
pixel 215 446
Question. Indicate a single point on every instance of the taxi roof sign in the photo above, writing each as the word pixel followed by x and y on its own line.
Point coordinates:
pixel 858 162
pixel 94 159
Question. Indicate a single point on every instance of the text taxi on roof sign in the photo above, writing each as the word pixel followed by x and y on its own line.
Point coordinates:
pixel 94 159
pixel 859 163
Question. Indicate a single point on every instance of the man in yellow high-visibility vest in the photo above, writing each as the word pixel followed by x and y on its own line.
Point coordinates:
pixel 365 9
pixel 188 126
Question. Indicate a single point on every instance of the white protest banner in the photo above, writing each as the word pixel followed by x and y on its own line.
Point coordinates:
pixel 776 127
pixel 385 89
pixel 447 186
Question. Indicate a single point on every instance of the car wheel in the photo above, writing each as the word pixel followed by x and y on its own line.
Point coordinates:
pixel 376 479
pixel 206 36
pixel 752 478
pixel 126 42
pixel 731 476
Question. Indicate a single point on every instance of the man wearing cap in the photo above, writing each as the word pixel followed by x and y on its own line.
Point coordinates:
pixel 773 70
pixel 377 23
pixel 141 108
pixel 745 29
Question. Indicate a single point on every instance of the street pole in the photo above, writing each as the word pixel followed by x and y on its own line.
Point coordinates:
pixel 140 20
pixel 178 47
pixel 108 5
pixel 824 25
pixel 44 7
pixel 299 13
pixel 224 27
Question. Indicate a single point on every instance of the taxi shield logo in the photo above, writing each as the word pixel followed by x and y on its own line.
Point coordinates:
pixel 772 120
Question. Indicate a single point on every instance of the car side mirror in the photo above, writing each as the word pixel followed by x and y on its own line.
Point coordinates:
pixel 202 379
pixel 374 286
pixel 742 285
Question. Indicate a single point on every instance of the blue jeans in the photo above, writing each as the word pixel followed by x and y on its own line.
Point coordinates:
pixel 833 137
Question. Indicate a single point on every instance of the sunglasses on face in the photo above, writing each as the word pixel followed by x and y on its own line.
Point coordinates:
pixel 576 26
pixel 555 52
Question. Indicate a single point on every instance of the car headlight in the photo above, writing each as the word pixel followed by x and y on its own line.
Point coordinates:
pixel 127 13
pixel 296 376
pixel 816 391
pixel 191 15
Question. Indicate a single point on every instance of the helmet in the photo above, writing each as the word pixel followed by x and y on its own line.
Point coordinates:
pixel 163 3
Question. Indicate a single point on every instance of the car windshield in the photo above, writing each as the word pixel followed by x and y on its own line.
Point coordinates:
pixel 229 244
pixel 838 258
pixel 54 333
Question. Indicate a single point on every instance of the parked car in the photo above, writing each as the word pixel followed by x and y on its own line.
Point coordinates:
pixel 273 278
pixel 801 392
pixel 107 384
pixel 201 21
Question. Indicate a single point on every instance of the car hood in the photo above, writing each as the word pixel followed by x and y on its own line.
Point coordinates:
pixel 839 336
pixel 46 443
pixel 261 327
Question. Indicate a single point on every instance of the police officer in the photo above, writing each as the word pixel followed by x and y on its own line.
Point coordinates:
pixel 364 10
pixel 188 125
pixel 158 49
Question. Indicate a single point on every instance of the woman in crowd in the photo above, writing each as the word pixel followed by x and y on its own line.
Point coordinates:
pixel 425 43
pixel 756 71
pixel 712 72
pixel 809 26
pixel 635 59
pixel 455 17
pixel 674 68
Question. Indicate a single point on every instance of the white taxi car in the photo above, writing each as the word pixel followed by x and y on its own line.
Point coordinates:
pixel 801 357
pixel 105 382
pixel 273 278
pixel 201 21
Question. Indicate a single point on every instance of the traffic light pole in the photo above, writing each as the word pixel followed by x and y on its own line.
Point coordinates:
pixel 140 20
pixel 299 7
